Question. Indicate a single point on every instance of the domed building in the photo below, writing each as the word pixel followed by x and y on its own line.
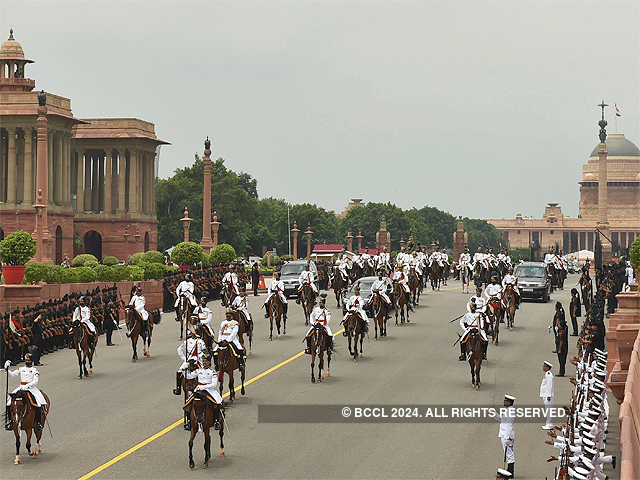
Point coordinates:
pixel 571 234
pixel 100 172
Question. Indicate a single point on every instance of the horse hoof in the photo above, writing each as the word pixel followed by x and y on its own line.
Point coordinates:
pixel 328 374
pixel 360 355
pixel 192 465
pixel 133 360
pixel 31 454
pixel 270 339
pixel 355 359
pixel 277 336
pixel 284 332
pixel 34 455
pixel 250 353
pixel 205 465
pixel 16 461
pixel 408 320
pixel 376 339
pixel 313 380
pixel 90 372
pixel 221 454
pixel 242 391
pixel 79 377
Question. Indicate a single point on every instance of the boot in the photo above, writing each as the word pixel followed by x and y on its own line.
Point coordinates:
pixel 484 350
pixel 463 353
pixel 266 309
pixel 8 424
pixel 176 391
pixel 286 309
pixel 308 349
pixel 216 413
pixel 39 419
pixel 241 364
pixel 215 361
pixel 510 469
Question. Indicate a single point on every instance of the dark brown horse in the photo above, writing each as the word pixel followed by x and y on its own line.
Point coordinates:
pixel 245 327
pixel 415 286
pixel 339 285
pixel 319 342
pixel 400 302
pixel 276 310
pixel 227 363
pixel 435 275
pixel 23 417
pixel 353 326
pixel 379 314
pixel 306 299
pixel 188 386
pixel 228 295
pixel 183 312
pixel 84 349
pixel 202 416
pixel 509 300
pixel 474 355
pixel 139 328
pixel 494 314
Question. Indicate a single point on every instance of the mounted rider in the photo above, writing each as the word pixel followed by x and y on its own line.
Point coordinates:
pixel 276 287
pixel 465 257
pixel 83 314
pixel 493 290
pixel 342 262
pixel 229 332
pixel 241 304
pixel 479 301
pixel 355 304
pixel 511 279
pixel 468 322
pixel 322 316
pixel 29 377
pixel 204 314
pixel 190 352
pixel 479 257
pixel 186 289
pixel 383 261
pixel 207 384
pixel 231 278
pixel 402 278
pixel 139 302
pixel 416 263
pixel 437 257
pixel 380 286
pixel 305 279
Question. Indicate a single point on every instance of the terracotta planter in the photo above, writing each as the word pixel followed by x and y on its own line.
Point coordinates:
pixel 13 274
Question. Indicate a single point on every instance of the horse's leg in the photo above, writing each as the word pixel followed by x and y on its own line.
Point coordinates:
pixel 17 434
pixel 284 324
pixel 313 359
pixel 221 433
pixel 320 366
pixel 361 340
pixel 194 430
pixel 478 366
pixel 329 363
pixel 79 362
pixel 278 320
pixel 270 327
pixel 28 444
pixel 375 326
pixel 181 327
pixel 242 381
pixel 207 447
pixel 134 344
pixel 232 393
pixel 37 449
pixel 473 373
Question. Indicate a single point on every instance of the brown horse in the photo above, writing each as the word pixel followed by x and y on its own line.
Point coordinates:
pixel 306 299
pixel 23 417
pixel 84 350
pixel 319 342
pixel 276 310
pixel 202 416
pixel 466 274
pixel 415 286
pixel 183 312
pixel 188 386
pixel 474 355
pixel 139 328
pixel 400 302
pixel 339 285
pixel 354 328
pixel 379 314
pixel 227 363
pixel 510 306
pixel 435 275
pixel 228 295
pixel 494 314
pixel 244 327
pixel 201 331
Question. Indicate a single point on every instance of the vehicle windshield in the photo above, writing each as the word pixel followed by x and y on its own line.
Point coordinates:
pixel 292 269
pixel 530 272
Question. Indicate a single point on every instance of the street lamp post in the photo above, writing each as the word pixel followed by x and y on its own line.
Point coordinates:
pixel 39 206
pixel 349 241
pixel 295 230
pixel 359 237
pixel 308 233
pixel 186 221
pixel 126 242
pixel 215 225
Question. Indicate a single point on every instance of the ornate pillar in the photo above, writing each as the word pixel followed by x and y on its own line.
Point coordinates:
pixel 79 181
pixel 88 197
pixel 350 241
pixel 107 181
pixel 28 166
pixel 133 180
pixel 603 223
pixel 308 233
pixel 13 166
pixel 122 169
pixel 101 187
pixel 95 186
pixel 359 237
pixel 66 170
pixel 57 162
pixel 206 242
pixel 186 221
pixel 48 192
pixel 42 181
pixel 295 230
pixel 152 166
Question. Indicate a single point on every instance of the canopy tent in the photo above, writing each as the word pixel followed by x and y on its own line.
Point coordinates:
pixel 581 256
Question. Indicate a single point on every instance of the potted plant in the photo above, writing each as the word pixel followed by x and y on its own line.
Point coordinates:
pixel 15 251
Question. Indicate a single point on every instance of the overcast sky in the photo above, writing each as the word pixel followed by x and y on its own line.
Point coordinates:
pixel 482 109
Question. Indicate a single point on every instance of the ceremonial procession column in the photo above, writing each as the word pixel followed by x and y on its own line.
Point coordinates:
pixel 206 242
pixel 603 224
pixel 42 230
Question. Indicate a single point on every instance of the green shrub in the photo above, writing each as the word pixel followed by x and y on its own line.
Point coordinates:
pixel 118 273
pixel 222 253
pixel 187 253
pixel 91 264
pixel 84 274
pixel 136 273
pixel 153 256
pixel 153 271
pixel 264 260
pixel 35 272
pixel 57 274
pixel 17 249
pixel 136 258
pixel 171 268
pixel 102 273
pixel 81 259
pixel 109 260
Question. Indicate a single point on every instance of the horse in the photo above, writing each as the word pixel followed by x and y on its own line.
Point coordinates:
pixel 202 416
pixel 400 302
pixel 228 295
pixel 354 329
pixel 83 350
pixel 474 355
pixel 319 342
pixel 23 417
pixel 227 363
pixel 479 274
pixel 139 328
pixel 276 310
pixel 244 327
pixel 183 312
pixel 339 285
pixel 557 276
pixel 494 312
pixel 306 299
pixel 201 330
pixel 465 276
pixel 436 275
pixel 414 286
pixel 188 386
pixel 379 314
pixel 445 273
pixel 356 272
pixel 510 306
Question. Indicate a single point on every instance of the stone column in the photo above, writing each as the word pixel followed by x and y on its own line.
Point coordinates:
pixel 95 187
pixel 49 190
pixel 101 187
pixel 57 161
pixel 122 168
pixel 79 181
pixel 206 243
pixel 66 169
pixel 150 183
pixel 42 183
pixel 144 182
pixel 28 166
pixel 88 197
pixel 153 183
pixel 603 222
pixel 133 181
pixel 295 230
pixel 13 166
pixel 107 182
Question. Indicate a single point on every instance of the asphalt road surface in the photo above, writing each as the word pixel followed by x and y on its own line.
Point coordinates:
pixel 123 422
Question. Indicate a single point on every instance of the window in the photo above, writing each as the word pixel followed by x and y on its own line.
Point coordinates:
pixel 518 232
pixel 551 232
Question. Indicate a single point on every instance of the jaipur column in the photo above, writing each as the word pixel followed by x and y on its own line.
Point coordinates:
pixel 122 168
pixel 206 243
pixel 107 181
pixel 28 166
pixel 13 166
pixel 79 180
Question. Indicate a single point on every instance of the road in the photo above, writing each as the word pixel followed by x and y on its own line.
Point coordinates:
pixel 97 422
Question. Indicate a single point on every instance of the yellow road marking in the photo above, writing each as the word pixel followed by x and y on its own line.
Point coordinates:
pixel 114 460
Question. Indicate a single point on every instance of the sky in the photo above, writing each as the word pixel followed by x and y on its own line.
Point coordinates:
pixel 479 108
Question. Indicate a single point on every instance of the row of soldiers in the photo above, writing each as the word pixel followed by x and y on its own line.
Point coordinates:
pixel 45 327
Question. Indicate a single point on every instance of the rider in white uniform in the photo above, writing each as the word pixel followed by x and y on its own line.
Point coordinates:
pixel 207 383
pixel 231 278
pixel 191 350
pixel 355 304
pixel 229 332
pixel 494 289
pixel 276 287
pixel 306 278
pixel 383 260
pixel 511 279
pixel 380 286
pixel 139 302
pixel 469 321
pixel 83 313
pixel 479 301
pixel 205 315
pixel 29 377
pixel 186 288
pixel 323 316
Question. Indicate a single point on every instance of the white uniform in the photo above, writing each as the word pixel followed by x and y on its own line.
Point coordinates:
pixel 343 264
pixel 465 258
pixel 29 377
pixel 380 286
pixel 231 278
pixel 207 381
pixel 478 257
pixel 507 434
pixel 472 320
pixel 191 349
pixel 355 304
pixel 306 278
pixel 242 303
pixel 139 302
pixel 185 288
pixel 546 392
pixel 320 315
pixel 276 286
pixel 401 277
pixel 205 315
pixel 383 260
pixel 84 315
pixel 512 280
pixel 229 332
pixel 481 304
pixel 493 290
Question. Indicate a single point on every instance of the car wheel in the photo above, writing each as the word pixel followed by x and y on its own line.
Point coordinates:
pixel 545 297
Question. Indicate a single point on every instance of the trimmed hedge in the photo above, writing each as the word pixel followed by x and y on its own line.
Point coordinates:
pixel 222 253
pixel 110 261
pixel 35 272
pixel 80 260
pixel 187 253
pixel 136 258
pixel 55 274
pixel 153 256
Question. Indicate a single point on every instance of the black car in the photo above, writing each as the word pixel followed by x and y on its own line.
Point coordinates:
pixel 290 272
pixel 533 280
pixel 365 291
